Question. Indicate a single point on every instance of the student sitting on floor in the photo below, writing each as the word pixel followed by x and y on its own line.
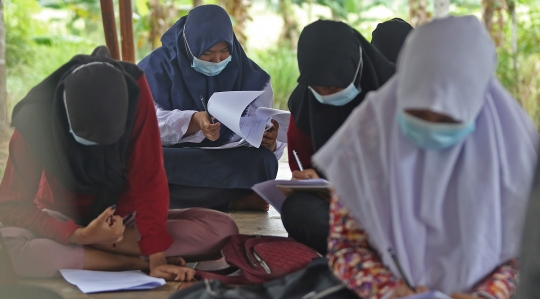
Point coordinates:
pixel 200 55
pixel 338 67
pixel 436 166
pixel 84 154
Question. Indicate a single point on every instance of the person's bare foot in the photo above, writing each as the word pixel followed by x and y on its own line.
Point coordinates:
pixel 251 202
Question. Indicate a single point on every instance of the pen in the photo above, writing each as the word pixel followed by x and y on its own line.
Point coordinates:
pixel 298 160
pixel 110 222
pixel 206 109
pixel 398 265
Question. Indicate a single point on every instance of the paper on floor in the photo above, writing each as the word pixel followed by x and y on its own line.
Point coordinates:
pixel 428 295
pixel 103 281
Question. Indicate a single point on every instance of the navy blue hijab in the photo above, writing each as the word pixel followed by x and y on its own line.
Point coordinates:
pixel 176 85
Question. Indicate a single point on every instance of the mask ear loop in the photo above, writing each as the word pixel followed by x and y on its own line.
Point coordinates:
pixel 188 49
pixel 359 68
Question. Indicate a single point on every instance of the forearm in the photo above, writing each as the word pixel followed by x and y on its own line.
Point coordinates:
pixel 501 284
pixel 351 258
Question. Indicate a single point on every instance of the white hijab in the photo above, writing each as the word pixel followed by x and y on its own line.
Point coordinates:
pixel 452 215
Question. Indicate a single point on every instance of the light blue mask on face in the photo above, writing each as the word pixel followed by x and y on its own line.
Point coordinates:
pixel 344 96
pixel 206 67
pixel 209 68
pixel 430 135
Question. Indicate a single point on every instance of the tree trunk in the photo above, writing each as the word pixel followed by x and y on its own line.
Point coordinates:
pixel 4 120
pixel 197 3
pixel 418 13
pixel 513 17
pixel 289 33
pixel 488 10
pixel 156 20
pixel 238 10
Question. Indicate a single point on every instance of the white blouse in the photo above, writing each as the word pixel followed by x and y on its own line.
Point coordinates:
pixel 173 124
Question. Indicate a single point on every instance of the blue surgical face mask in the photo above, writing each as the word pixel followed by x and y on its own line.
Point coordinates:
pixel 344 96
pixel 209 68
pixel 430 135
pixel 206 67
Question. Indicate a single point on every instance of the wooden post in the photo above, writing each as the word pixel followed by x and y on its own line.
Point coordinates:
pixel 109 27
pixel 126 31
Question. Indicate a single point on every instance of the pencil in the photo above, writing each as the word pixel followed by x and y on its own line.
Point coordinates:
pixel 398 265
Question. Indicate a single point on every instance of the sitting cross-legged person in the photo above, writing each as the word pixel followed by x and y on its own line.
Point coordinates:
pixel 84 186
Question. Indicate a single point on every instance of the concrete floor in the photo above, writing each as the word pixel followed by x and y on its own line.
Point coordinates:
pixel 248 222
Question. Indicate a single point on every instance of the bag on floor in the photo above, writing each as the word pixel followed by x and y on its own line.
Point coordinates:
pixel 316 281
pixel 261 258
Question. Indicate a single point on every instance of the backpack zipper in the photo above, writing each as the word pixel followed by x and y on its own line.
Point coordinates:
pixel 263 263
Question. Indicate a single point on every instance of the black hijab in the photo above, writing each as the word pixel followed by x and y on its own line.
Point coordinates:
pixel 328 55
pixel 94 89
pixel 389 37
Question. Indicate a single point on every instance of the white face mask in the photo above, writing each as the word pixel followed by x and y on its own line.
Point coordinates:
pixel 206 67
pixel 344 96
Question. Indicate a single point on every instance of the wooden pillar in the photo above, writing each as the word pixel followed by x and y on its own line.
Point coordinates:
pixel 126 31
pixel 109 28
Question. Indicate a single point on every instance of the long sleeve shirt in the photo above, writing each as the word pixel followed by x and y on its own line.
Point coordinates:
pixel 173 124
pixel 359 266
pixel 27 188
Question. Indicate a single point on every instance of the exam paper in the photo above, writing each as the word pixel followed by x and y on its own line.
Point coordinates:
pixel 104 281
pixel 227 107
pixel 274 191
pixel 428 295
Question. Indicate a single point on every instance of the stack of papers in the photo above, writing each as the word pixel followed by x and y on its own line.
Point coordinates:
pixel 103 281
pixel 276 191
pixel 228 107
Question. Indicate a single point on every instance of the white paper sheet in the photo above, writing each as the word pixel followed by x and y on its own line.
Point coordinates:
pixel 270 192
pixel 227 107
pixel 103 281
pixel 428 295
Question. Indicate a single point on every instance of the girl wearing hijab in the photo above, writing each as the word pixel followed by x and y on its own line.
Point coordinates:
pixel 338 67
pixel 84 186
pixel 200 55
pixel 389 37
pixel 435 166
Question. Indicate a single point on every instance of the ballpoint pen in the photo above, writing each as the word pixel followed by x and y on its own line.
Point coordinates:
pixel 398 266
pixel 298 161
pixel 206 109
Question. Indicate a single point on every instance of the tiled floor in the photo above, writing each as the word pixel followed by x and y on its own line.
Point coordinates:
pixel 248 222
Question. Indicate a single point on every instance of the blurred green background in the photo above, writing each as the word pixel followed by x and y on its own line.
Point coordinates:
pixel 42 35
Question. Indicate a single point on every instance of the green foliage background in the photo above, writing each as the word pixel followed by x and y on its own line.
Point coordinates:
pixel 36 47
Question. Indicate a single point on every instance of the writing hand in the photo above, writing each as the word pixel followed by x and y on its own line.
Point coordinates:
pixel 403 291
pixel 270 136
pixel 209 130
pixel 306 174
pixel 106 228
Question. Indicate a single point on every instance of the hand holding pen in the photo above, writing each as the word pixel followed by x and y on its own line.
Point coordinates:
pixel 303 174
pixel 107 228
pixel 205 123
pixel 406 288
